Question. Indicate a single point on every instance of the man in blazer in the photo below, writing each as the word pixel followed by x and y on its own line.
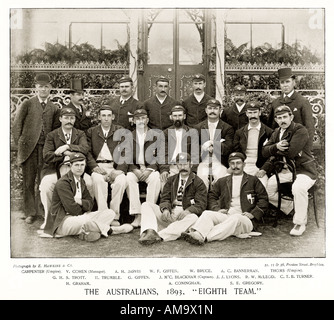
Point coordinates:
pixel 291 141
pixel 299 105
pixel 83 119
pixel 250 140
pixel 159 106
pixel 145 166
pixel 70 214
pixel 235 205
pixel 125 105
pixel 178 138
pixel 196 103
pixel 35 118
pixel 216 143
pixel 183 199
pixel 108 158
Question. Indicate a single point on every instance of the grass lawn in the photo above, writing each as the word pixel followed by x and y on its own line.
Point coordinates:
pixel 274 242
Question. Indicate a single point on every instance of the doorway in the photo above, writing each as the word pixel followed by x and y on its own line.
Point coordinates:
pixel 176 46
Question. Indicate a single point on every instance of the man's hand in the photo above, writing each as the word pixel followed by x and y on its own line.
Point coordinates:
pixel 208 146
pixel 223 211
pixel 260 174
pixel 99 170
pixel 145 175
pixel 61 149
pixel 113 175
pixel 164 176
pixel 283 145
pixel 166 215
pixel 182 214
pixel 248 215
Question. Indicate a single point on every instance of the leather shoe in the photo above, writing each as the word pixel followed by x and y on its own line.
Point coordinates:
pixel 30 219
pixel 149 237
pixel 90 232
pixel 298 230
pixel 193 237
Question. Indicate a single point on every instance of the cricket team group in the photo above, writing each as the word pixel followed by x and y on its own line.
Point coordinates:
pixel 207 171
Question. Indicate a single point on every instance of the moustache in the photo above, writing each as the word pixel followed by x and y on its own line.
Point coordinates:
pixel 183 170
pixel 252 118
pixel 178 123
pixel 283 123
pixel 70 123
pixel 212 113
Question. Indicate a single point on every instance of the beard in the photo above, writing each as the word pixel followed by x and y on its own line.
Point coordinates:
pixel 178 123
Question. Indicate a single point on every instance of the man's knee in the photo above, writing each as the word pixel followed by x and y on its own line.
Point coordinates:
pixel 120 181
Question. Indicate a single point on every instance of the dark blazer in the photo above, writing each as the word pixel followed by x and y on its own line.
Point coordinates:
pixel 300 149
pixel 56 139
pixel 241 139
pixel 195 110
pixel 223 131
pixel 116 142
pixel 27 126
pixel 301 109
pixel 194 195
pixel 82 122
pixel 63 202
pixel 123 112
pixel 234 118
pixel 153 150
pixel 190 144
pixel 159 113
pixel 253 195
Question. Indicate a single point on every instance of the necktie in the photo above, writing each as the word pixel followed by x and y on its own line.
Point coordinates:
pixel 43 104
pixel 68 137
pixel 122 101
pixel 180 191
pixel 78 186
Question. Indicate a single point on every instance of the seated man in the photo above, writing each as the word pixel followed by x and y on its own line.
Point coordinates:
pixel 291 141
pixel 144 167
pixel 59 145
pixel 105 160
pixel 236 202
pixel 70 213
pixel 183 199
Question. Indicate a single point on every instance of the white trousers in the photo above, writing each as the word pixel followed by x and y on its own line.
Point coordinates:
pixel 215 225
pixel 74 225
pixel 152 191
pixel 252 169
pixel 100 187
pixel 168 231
pixel 218 171
pixel 300 189
pixel 48 184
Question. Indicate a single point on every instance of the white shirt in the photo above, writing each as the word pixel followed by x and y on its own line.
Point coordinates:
pixel 68 136
pixel 161 100
pixel 235 201
pixel 78 193
pixel 289 95
pixel 240 107
pixel 141 140
pixel 212 128
pixel 178 147
pixel 199 97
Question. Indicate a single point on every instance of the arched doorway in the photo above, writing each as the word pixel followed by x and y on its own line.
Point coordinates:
pixel 176 46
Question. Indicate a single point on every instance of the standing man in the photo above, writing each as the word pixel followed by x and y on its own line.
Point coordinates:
pixel 70 214
pixel 216 143
pixel 236 116
pixel 159 106
pixel 178 138
pixel 299 105
pixel 35 118
pixel 83 119
pixel 236 203
pixel 59 145
pixel 124 106
pixel 183 199
pixel 145 165
pixel 250 140
pixel 106 160
pixel 291 140
pixel 196 103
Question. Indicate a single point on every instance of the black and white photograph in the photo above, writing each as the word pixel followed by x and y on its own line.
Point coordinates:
pixel 167 152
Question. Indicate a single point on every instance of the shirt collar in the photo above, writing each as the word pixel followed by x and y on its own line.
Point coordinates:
pixel 258 127
pixel 290 94
pixel 41 100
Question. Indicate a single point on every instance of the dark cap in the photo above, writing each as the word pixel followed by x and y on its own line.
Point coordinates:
pixel 140 113
pixel 282 109
pixel 213 102
pixel 76 85
pixel 239 88
pixel 183 157
pixel 125 79
pixel 162 79
pixel 105 107
pixel 236 155
pixel 42 78
pixel 67 111
pixel 178 108
pixel 285 73
pixel 198 77
pixel 253 105
pixel 74 157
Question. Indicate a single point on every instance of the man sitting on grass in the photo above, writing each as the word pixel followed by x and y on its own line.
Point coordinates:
pixel 70 213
